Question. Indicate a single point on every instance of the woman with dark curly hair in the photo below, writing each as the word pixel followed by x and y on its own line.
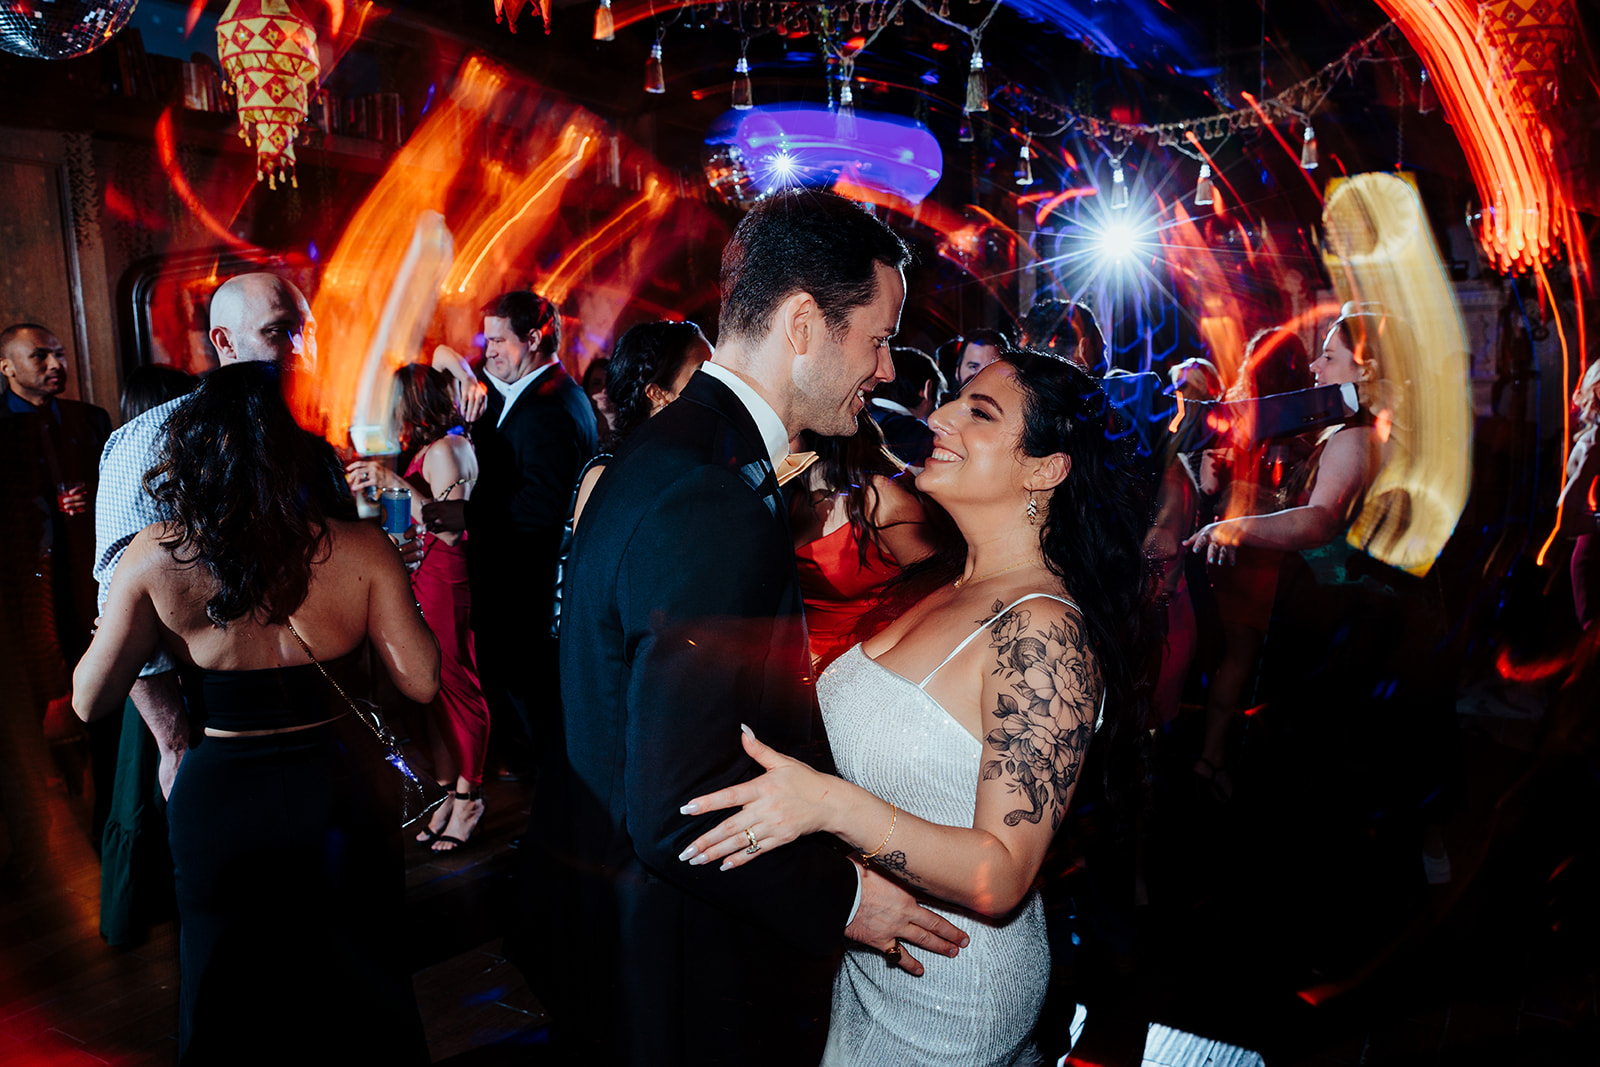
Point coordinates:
pixel 284 820
pixel 957 783
pixel 652 363
pixel 442 466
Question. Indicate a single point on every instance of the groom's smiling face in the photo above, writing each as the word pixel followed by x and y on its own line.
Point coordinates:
pixel 832 379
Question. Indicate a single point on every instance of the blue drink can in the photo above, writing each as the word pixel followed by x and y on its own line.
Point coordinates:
pixel 395 507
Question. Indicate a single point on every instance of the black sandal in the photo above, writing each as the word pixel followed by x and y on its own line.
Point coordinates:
pixel 428 835
pixel 458 843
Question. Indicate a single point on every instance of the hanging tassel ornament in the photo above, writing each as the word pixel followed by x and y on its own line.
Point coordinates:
pixel 944 9
pixel 977 84
pixel 1308 151
pixel 743 100
pixel 655 78
pixel 1202 188
pixel 964 132
pixel 845 126
pixel 604 27
pixel 1427 98
pixel 1025 161
pixel 1119 187
pixel 900 14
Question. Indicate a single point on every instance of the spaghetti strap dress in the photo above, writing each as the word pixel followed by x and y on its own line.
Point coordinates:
pixel 976 1010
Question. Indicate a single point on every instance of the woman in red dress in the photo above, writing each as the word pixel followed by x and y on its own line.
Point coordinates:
pixel 443 466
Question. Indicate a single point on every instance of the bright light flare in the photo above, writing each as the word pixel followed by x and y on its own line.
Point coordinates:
pixel 1381 250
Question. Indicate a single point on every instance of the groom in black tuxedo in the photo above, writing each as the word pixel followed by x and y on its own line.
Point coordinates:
pixel 685 620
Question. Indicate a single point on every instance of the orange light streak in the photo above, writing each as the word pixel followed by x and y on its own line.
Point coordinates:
pixel 166 152
pixel 361 272
pixel 652 202
pixel 1177 419
pixel 1060 198
pixel 1527 208
pixel 546 176
pixel 1566 408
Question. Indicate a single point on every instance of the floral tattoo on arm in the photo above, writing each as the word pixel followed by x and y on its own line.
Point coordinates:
pixel 1046 728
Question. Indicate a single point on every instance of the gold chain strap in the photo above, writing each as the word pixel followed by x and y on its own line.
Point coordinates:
pixel 336 687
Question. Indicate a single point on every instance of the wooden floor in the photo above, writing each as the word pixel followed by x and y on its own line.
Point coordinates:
pixel 67 998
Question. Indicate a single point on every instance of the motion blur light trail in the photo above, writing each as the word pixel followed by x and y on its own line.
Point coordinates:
pixel 491 164
pixel 356 283
pixel 1382 252
pixel 1527 207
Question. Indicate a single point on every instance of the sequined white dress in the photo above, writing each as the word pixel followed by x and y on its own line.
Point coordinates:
pixel 895 741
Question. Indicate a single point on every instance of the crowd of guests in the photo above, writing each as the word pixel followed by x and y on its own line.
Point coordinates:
pixel 804 639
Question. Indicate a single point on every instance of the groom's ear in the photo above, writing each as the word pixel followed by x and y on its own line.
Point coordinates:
pixel 799 318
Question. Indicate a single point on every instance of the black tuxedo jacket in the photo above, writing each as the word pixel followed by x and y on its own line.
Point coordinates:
pixel 526 469
pixel 683 619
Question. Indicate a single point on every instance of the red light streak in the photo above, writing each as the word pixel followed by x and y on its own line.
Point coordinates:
pixel 1290 152
pixel 1566 409
pixel 166 151
pixel 1563 865
pixel 1527 205
pixel 1536 671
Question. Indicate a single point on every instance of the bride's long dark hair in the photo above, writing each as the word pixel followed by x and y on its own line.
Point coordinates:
pixel 248 493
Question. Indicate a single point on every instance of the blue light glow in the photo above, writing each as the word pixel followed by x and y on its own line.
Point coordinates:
pixel 784 145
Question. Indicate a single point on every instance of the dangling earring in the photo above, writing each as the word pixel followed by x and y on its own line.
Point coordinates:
pixel 1033 511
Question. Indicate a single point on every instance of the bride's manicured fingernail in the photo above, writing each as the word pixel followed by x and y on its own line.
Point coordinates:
pixel 746 730
pixel 689 853
pixel 689 809
pixel 727 865
pixel 700 858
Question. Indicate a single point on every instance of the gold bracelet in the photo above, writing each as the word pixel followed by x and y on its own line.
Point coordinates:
pixel 894 816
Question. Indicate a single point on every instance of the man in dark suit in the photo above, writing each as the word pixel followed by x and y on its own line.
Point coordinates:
pixel 52 454
pixel 54 445
pixel 901 407
pixel 533 437
pixel 683 620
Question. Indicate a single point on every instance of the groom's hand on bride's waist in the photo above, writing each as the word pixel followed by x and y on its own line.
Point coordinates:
pixel 890 920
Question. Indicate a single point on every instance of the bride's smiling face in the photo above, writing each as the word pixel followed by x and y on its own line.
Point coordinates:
pixel 977 455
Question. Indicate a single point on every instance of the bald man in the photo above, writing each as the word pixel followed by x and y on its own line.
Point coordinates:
pixel 254 317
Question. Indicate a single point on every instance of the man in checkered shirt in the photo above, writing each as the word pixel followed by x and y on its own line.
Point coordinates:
pixel 257 317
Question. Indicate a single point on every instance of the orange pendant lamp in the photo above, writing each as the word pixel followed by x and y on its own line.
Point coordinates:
pixel 269 53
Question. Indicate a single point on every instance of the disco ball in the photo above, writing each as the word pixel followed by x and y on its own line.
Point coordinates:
pixel 60 29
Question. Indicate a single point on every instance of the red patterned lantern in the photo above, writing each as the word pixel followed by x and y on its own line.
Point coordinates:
pixel 1534 39
pixel 269 53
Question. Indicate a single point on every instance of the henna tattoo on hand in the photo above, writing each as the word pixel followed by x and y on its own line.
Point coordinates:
pixel 1045 730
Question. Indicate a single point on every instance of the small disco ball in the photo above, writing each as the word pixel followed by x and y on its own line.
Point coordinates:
pixel 60 29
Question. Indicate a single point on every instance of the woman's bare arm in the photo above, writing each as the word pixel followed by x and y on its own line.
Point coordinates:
pixel 127 635
pixel 901 521
pixel 450 469
pixel 1342 477
pixel 395 626
pixel 1041 694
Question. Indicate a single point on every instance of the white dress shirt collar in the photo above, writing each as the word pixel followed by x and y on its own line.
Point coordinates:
pixel 511 390
pixel 773 433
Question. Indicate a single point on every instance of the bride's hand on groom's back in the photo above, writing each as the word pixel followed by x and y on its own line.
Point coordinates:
pixel 788 802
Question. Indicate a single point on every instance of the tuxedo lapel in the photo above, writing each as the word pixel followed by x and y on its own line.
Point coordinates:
pixel 744 451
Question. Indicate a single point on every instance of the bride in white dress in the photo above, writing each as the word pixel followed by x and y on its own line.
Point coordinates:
pixel 960 728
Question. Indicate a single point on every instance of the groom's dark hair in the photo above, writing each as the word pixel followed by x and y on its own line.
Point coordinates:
pixel 803 241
